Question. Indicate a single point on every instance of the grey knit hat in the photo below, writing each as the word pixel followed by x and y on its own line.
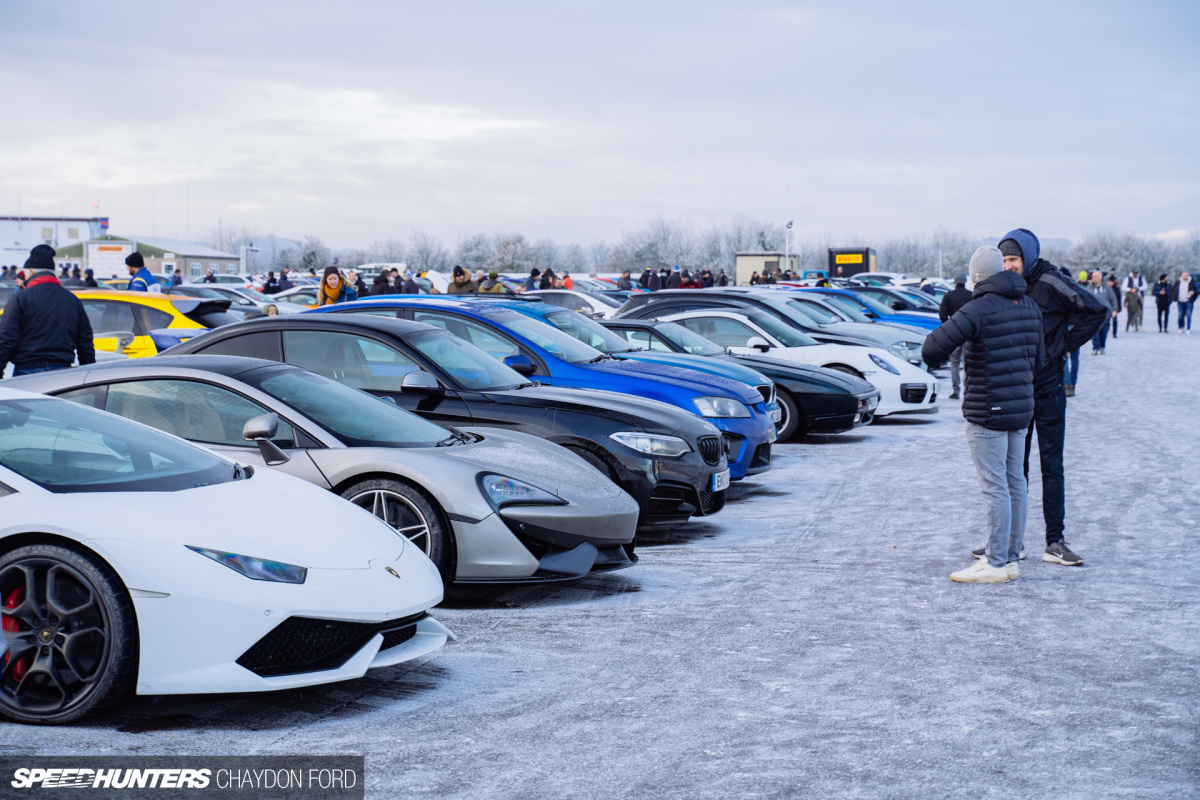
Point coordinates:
pixel 960 277
pixel 986 261
pixel 1009 247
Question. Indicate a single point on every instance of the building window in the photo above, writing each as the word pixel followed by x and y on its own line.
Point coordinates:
pixel 196 267
pixel 47 233
pixel 231 269
pixel 72 233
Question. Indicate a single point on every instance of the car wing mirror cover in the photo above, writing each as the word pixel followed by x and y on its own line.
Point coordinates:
pixel 520 364
pixel 420 382
pixel 758 343
pixel 260 430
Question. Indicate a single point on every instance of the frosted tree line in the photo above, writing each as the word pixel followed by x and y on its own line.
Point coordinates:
pixel 663 243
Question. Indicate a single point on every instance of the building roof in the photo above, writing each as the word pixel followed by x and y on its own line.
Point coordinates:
pixel 154 247
pixel 27 218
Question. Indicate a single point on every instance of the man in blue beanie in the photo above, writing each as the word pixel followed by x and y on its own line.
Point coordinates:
pixel 1070 317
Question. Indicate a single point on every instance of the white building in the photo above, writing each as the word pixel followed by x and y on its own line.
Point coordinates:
pixel 19 235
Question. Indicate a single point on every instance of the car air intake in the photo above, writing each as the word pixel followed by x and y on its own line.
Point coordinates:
pixel 913 392
pixel 710 449
pixel 767 390
pixel 302 644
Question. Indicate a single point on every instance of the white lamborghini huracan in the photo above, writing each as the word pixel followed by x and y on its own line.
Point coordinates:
pixel 133 559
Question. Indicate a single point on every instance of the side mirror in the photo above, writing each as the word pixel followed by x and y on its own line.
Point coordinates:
pixel 420 382
pixel 898 305
pixel 260 430
pixel 758 343
pixel 520 364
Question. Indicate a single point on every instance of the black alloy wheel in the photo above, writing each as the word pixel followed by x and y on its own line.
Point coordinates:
pixel 412 515
pixel 69 634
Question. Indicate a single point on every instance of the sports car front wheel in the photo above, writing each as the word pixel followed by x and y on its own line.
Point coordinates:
pixel 411 514
pixel 70 637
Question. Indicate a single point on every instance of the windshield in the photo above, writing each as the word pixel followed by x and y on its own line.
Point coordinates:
pixel 691 342
pixel 919 299
pixel 357 418
pixel 815 313
pixel 590 332
pixel 547 337
pixel 65 447
pixel 786 334
pixel 851 310
pixel 469 366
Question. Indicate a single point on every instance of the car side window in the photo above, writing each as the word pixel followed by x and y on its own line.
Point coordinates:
pixel 91 396
pixel 722 331
pixel 479 335
pixel 153 318
pixel 390 313
pixel 108 316
pixel 346 358
pixel 264 344
pixel 192 410
pixel 645 340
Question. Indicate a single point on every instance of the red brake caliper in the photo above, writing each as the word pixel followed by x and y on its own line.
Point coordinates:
pixel 7 623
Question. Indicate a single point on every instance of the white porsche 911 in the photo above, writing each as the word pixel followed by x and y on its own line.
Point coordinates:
pixel 133 559
pixel 903 388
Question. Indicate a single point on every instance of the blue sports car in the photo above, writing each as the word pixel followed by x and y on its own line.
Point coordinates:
pixel 556 358
pixel 874 309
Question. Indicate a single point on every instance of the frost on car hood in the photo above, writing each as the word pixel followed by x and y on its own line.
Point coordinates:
pixel 545 465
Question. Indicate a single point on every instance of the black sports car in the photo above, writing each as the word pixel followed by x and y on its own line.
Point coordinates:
pixel 671 462
pixel 812 399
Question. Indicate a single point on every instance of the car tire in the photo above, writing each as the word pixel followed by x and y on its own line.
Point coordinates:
pixel 412 515
pixel 793 422
pixel 846 369
pixel 70 635
pixel 596 461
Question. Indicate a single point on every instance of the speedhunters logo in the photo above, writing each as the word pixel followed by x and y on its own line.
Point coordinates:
pixel 265 777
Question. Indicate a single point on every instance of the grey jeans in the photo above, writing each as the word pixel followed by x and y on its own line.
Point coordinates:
pixel 955 362
pixel 999 458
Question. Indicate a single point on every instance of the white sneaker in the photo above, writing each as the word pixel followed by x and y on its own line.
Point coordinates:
pixel 1013 571
pixel 981 572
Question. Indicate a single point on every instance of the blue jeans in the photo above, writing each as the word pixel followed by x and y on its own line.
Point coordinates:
pixel 1185 314
pixel 998 456
pixel 1097 344
pixel 36 370
pixel 1071 367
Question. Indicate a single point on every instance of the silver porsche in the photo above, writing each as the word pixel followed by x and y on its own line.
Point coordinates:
pixel 486 505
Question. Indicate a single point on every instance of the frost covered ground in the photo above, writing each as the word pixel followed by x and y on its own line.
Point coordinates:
pixel 807 642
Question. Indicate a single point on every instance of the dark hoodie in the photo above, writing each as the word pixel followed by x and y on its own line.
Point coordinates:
pixel 1071 315
pixel 1000 332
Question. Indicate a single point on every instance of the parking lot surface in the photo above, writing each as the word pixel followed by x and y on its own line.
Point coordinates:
pixel 806 642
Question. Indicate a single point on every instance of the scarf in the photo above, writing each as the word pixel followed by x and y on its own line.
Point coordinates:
pixel 331 295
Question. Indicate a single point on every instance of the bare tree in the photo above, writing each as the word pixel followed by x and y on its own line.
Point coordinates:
pixel 426 252
pixel 227 237
pixel 312 255
pixel 574 260
pixel 387 251
pixel 475 252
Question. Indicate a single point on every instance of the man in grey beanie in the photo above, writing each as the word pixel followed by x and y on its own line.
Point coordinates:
pixel 953 300
pixel 1000 331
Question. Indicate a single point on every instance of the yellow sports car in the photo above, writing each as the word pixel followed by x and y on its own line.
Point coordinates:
pixel 123 320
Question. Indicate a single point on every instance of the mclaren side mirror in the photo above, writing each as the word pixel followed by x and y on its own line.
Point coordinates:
pixel 898 305
pixel 758 343
pixel 420 382
pixel 260 430
pixel 520 364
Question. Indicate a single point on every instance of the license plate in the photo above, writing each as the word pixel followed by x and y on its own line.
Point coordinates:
pixel 872 402
pixel 720 481
pixel 776 414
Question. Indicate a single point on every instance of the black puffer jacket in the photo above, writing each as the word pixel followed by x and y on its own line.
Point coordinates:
pixel 45 325
pixel 1001 334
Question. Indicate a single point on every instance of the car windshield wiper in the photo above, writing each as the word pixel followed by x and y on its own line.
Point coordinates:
pixel 599 358
pixel 456 437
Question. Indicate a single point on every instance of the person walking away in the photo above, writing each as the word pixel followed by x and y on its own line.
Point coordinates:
pixel 334 288
pixel 655 281
pixel 410 285
pixel 547 281
pixel 493 285
pixel 531 283
pixel 1183 292
pixel 271 284
pixel 722 279
pixel 285 279
pixel 1112 282
pixel 462 283
pixel 1106 295
pixel 381 285
pixel 1070 317
pixel 625 282
pixel 75 281
pixel 952 301
pixel 140 279
pixel 89 279
pixel 675 279
pixel 44 327
pixel 1162 302
pixel 1000 333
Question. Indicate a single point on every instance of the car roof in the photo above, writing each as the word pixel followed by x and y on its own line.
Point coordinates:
pixel 397 327
pixel 229 366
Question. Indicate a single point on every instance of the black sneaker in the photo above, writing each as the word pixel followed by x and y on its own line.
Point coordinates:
pixel 1060 553
pixel 981 552
pixel 954 395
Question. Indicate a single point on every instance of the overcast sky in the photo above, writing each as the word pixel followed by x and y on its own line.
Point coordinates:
pixel 358 121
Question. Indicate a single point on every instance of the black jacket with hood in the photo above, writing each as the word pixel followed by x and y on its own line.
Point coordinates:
pixel 1000 332
pixel 1071 315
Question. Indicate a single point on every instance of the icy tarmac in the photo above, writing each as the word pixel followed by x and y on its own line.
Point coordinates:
pixel 806 642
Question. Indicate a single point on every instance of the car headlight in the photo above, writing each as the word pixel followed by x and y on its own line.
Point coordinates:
pixel 256 569
pixel 652 444
pixel 904 350
pixel 883 362
pixel 720 407
pixel 501 491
